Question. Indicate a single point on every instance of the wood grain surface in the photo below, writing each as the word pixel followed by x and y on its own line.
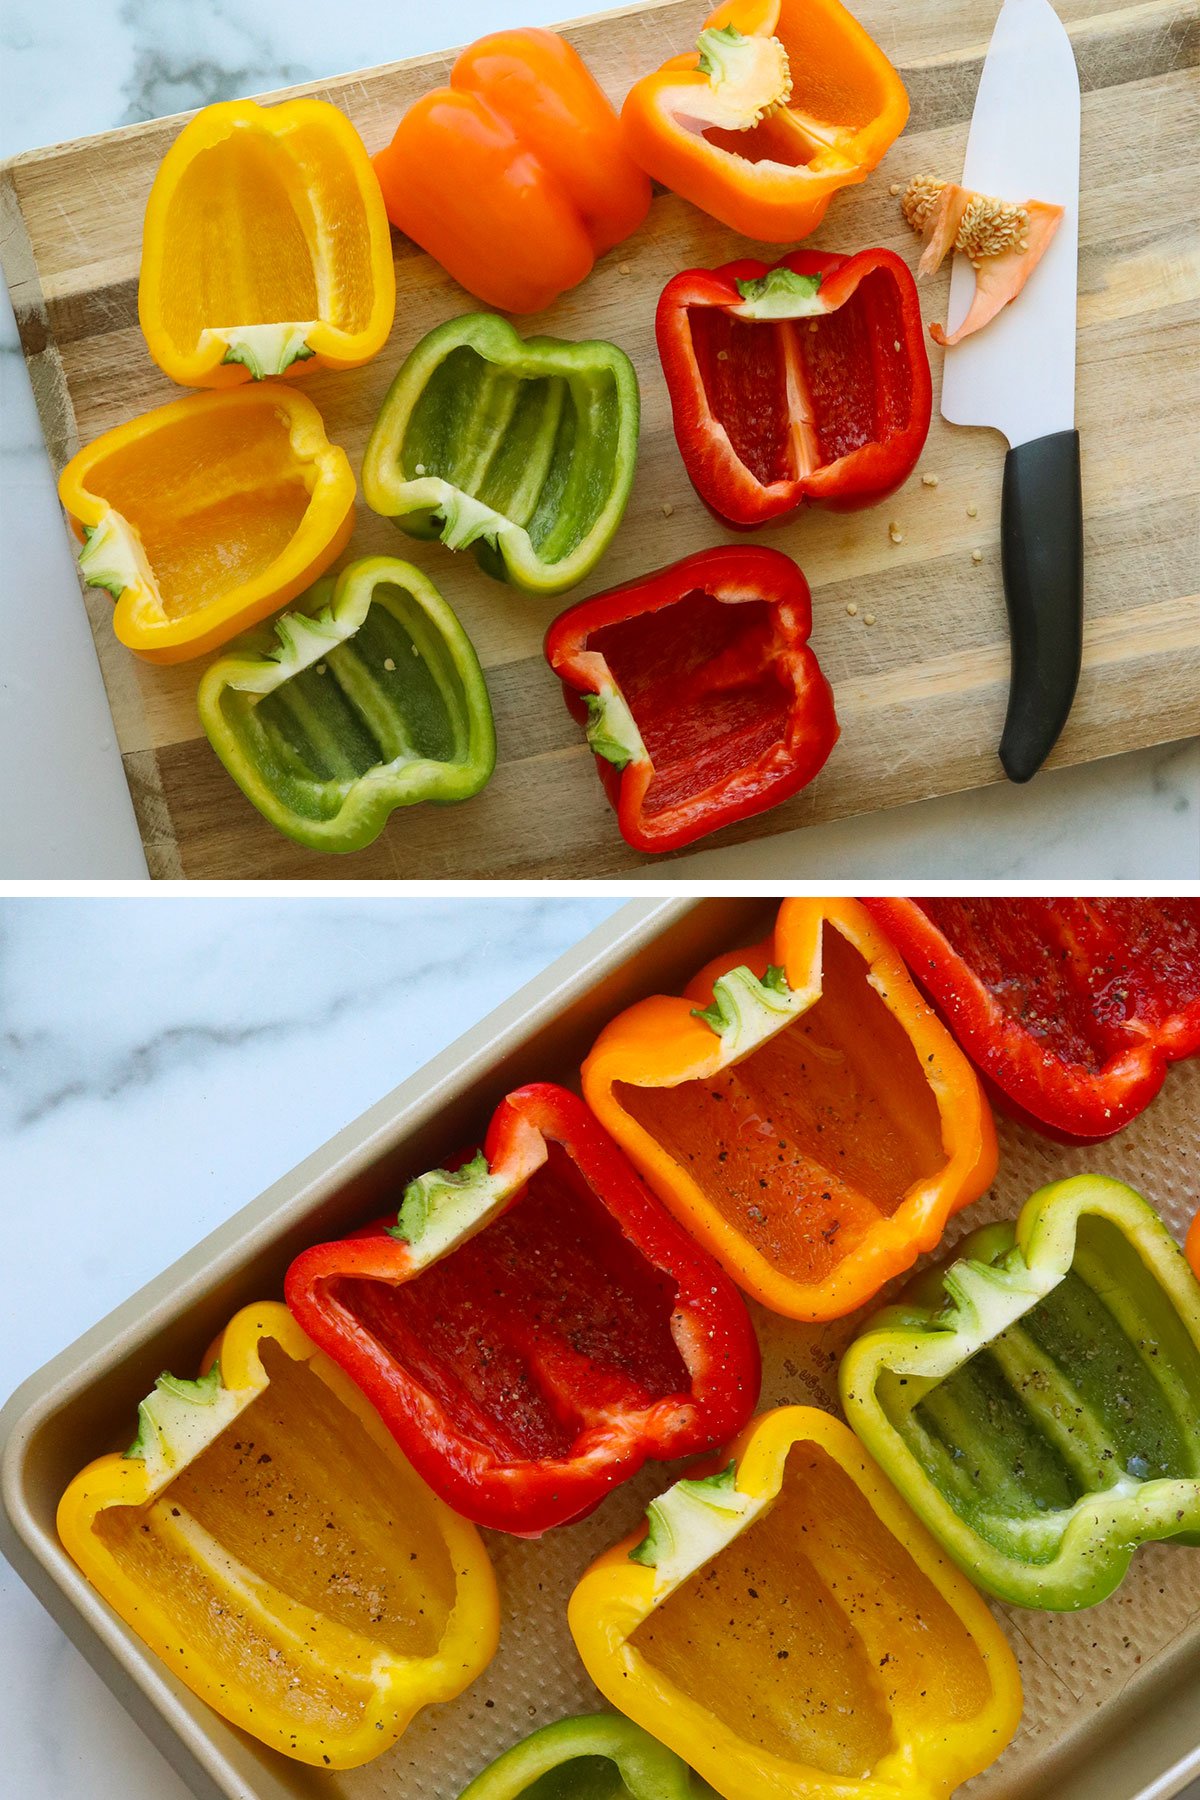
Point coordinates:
pixel 921 691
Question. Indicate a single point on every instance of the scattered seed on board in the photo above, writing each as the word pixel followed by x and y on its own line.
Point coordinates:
pixel 668 509
pixel 851 608
pixel 977 556
pixel 972 509
pixel 929 481
pixel 869 619
pixel 894 189
pixel 622 268
pixel 895 533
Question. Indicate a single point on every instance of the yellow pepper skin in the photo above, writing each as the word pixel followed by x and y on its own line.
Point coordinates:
pixel 249 474
pixel 269 1496
pixel 789 1627
pixel 266 247
pixel 801 1110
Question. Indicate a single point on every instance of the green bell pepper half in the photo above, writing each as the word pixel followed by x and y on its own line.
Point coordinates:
pixel 1037 1398
pixel 600 1756
pixel 371 698
pixel 522 449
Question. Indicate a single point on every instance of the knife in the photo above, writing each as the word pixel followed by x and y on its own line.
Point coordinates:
pixel 1018 373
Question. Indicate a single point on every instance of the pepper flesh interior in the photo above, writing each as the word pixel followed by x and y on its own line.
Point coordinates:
pixel 1078 1396
pixel 705 687
pixel 807 1142
pixel 535 1330
pixel 795 395
pixel 293 1510
pixel 529 447
pixel 814 1628
pixel 328 725
pixel 1074 973
pixel 242 238
pixel 191 485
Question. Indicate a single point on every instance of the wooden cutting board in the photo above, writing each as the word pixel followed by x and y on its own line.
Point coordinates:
pixel 921 691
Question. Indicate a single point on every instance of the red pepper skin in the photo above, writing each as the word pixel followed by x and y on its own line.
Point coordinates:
pixel 1071 1008
pixel 865 368
pixel 735 714
pixel 544 1359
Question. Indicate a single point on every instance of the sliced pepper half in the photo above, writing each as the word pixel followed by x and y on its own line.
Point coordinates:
pixel 1072 1008
pixel 264 1537
pixel 702 700
pixel 801 1110
pixel 522 449
pixel 266 247
pixel 782 103
pixel 808 381
pixel 600 1756
pixel 534 1326
pixel 203 516
pixel 515 177
pixel 1036 1399
pixel 789 1626
pixel 371 699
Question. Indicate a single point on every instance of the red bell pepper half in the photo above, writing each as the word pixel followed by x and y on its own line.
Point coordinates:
pixel 535 1325
pixel 1072 1008
pixel 806 381
pixel 702 700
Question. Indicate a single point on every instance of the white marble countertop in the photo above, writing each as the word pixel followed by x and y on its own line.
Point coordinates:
pixel 157 1071
pixel 64 807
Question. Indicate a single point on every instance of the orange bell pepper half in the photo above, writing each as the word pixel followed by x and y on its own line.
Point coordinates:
pixel 514 177
pixel 801 1110
pixel 782 103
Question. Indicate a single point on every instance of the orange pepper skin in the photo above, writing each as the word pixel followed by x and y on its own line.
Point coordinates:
pixel 515 177
pixel 1192 1247
pixel 812 1170
pixel 772 180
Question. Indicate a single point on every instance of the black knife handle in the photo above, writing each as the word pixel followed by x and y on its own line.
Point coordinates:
pixel 1041 551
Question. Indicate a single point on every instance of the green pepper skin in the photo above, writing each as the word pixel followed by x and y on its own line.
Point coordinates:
pixel 522 449
pixel 600 1756
pixel 1037 1398
pixel 371 698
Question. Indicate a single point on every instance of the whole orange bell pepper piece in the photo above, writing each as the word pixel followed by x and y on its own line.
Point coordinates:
pixel 782 103
pixel 514 177
pixel 801 1110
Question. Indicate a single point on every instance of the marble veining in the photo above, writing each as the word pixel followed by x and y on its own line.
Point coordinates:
pixel 159 1066
pixel 66 812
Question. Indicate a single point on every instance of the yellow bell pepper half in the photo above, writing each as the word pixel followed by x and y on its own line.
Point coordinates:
pixel 265 1537
pixel 266 247
pixel 788 1626
pixel 202 517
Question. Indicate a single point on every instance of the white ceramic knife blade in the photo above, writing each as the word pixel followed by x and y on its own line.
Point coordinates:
pixel 1018 373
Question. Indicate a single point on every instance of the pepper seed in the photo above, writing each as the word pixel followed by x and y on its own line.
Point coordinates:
pixel 851 608
pixel 929 481
pixel 977 556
